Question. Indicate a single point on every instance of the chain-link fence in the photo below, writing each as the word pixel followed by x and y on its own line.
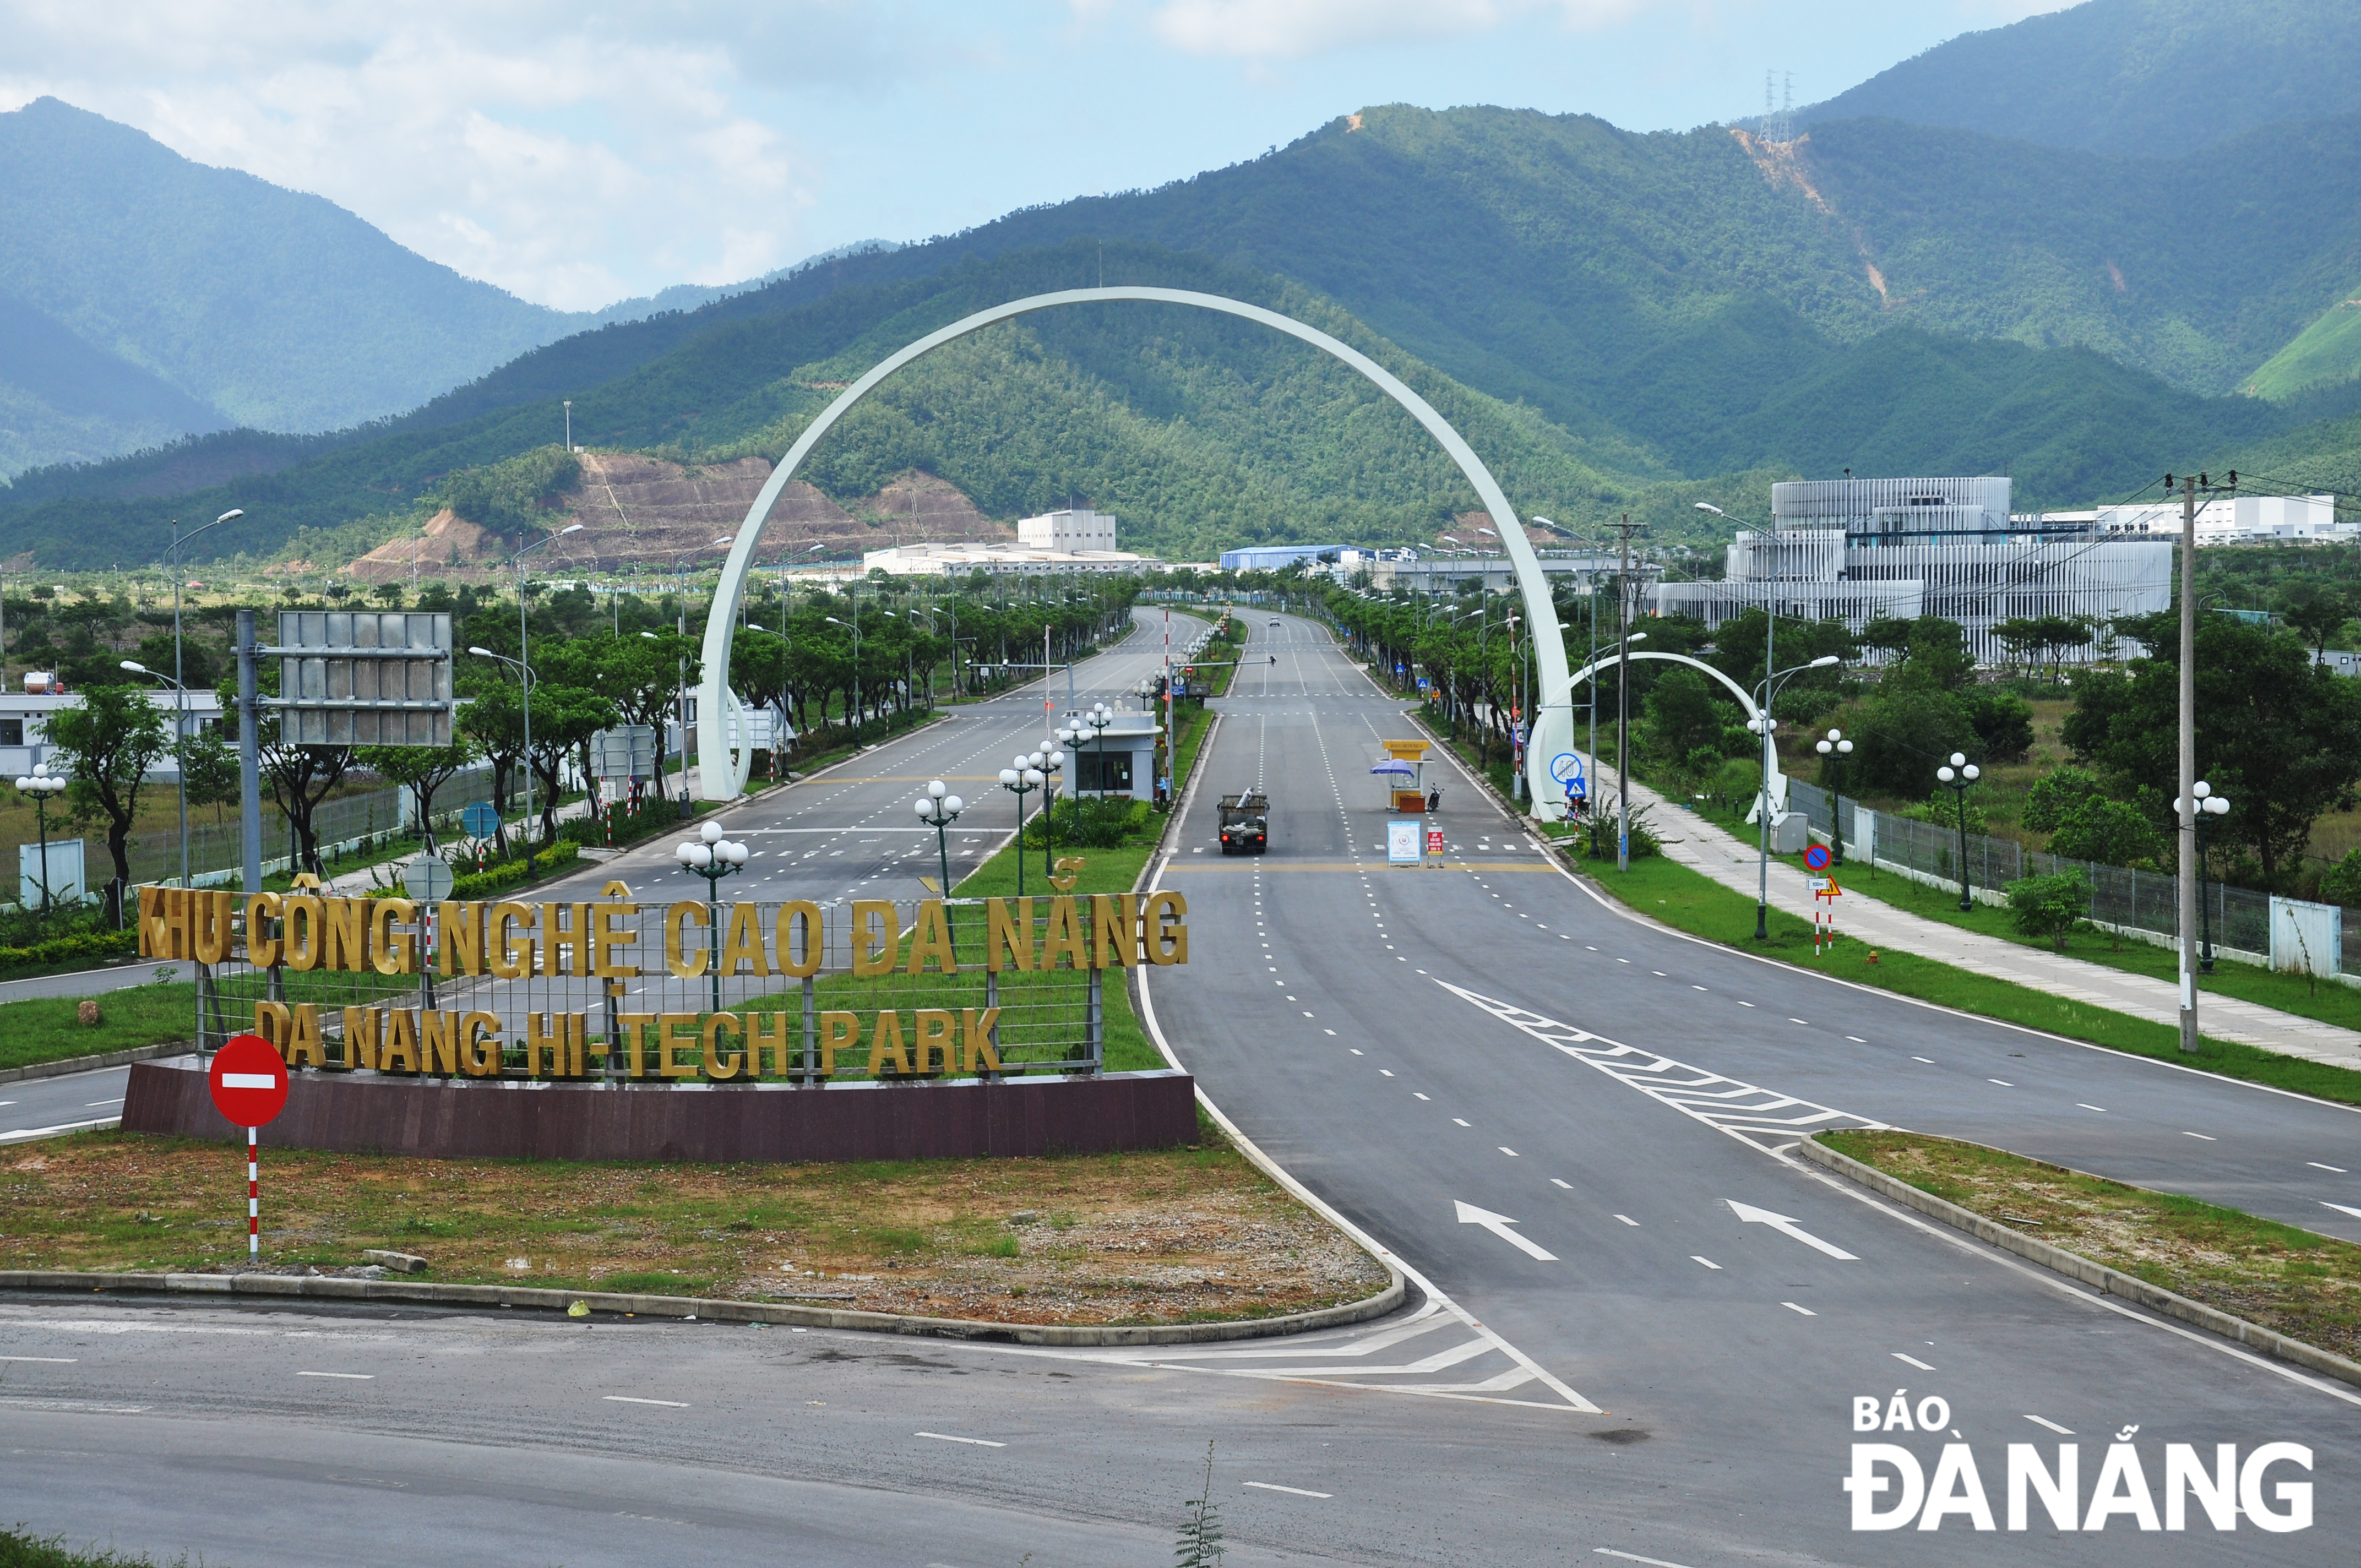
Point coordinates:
pixel 843 991
pixel 2120 897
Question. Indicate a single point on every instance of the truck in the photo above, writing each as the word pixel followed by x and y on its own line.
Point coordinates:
pixel 1245 823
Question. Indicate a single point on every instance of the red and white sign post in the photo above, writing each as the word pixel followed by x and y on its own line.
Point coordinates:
pixel 249 1087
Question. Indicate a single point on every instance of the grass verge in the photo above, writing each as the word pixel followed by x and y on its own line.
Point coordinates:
pixel 2297 1282
pixel 1168 1236
pixel 1690 901
pixel 19 1549
pixel 46 1028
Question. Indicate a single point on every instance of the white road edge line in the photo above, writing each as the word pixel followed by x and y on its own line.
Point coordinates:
pixel 946 1437
pixel 1635 1557
pixel 353 1376
pixel 628 1399
pixel 51 1360
pixel 1913 1361
pixel 1290 1491
pixel 2053 1426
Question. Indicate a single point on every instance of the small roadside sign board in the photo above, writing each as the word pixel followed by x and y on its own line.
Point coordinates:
pixel 426 879
pixel 480 820
pixel 1816 857
pixel 1434 842
pixel 248 1082
pixel 1401 843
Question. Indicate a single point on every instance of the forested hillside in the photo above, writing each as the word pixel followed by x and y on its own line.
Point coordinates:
pixel 2144 78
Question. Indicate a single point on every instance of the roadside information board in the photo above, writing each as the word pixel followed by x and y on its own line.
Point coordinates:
pixel 1434 842
pixel 249 1087
pixel 1401 843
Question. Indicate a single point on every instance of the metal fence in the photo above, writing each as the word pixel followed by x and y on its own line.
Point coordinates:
pixel 532 971
pixel 350 823
pixel 2135 902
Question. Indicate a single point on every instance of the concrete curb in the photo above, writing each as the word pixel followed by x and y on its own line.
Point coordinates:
pixel 64 1065
pixel 310 1288
pixel 2109 1281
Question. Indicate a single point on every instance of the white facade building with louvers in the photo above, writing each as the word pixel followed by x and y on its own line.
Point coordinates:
pixel 1858 549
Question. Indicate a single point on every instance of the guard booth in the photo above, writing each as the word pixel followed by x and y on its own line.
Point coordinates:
pixel 1410 794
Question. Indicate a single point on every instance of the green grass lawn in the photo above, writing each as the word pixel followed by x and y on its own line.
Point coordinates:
pixel 44 1028
pixel 1690 901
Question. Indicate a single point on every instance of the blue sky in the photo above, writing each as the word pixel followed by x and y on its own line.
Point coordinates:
pixel 575 154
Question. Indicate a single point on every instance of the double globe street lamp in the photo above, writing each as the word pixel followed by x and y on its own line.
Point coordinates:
pixel 1021 781
pixel 712 856
pixel 2208 805
pixel 1836 748
pixel 1766 727
pixel 1957 775
pixel 41 784
pixel 938 809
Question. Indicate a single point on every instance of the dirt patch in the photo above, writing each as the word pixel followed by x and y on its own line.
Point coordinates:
pixel 2295 1281
pixel 1179 1235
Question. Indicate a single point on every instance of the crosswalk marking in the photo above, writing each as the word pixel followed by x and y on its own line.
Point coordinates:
pixel 1761 1118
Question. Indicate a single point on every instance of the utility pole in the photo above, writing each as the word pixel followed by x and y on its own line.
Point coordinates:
pixel 2186 806
pixel 1623 532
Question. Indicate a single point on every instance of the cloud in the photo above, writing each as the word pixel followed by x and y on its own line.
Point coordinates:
pixel 1298 29
pixel 569 161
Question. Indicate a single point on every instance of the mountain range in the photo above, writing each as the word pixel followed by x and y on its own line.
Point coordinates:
pixel 1630 321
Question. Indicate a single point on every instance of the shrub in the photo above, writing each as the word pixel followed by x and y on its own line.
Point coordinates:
pixel 2048 906
pixel 2341 884
pixel 2002 721
pixel 1092 824
pixel 2056 793
pixel 509 874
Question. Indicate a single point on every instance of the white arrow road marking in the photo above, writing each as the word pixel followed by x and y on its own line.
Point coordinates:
pixel 1786 1227
pixel 1499 1225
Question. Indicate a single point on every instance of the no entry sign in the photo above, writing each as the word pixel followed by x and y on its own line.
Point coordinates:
pixel 249 1082
pixel 249 1085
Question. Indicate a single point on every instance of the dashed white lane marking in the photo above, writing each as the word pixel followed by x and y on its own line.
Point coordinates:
pixel 1928 1060
pixel 1506 1150
pixel 1856 1039
pixel 1635 1557
pixel 50 1360
pixel 946 1437
pixel 2314 1163
pixel 1463 1121
pixel 1555 1182
pixel 628 1399
pixel 1627 1219
pixel 1793 1307
pixel 2002 1082
pixel 1913 1361
pixel 1290 1491
pixel 1706 1261
pixel 2202 1136
pixel 2053 1426
pixel 353 1376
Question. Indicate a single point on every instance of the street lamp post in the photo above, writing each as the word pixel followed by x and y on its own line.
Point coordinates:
pixel 939 810
pixel 1051 761
pixel 524 680
pixel 1836 748
pixel 712 856
pixel 1766 727
pixel 1956 776
pixel 41 784
pixel 180 693
pixel 2208 805
pixel 524 660
pixel 1021 781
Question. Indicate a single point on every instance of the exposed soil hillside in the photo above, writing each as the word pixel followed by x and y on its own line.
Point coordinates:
pixel 645 511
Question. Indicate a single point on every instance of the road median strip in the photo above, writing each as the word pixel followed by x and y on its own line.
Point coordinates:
pixel 2298 1278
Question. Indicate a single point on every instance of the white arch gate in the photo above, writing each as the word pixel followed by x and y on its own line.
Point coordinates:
pixel 722 770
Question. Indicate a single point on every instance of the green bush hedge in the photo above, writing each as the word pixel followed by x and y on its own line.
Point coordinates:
pixel 512 873
pixel 93 945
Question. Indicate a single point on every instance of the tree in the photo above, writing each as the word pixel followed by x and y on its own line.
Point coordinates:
pixel 2048 906
pixel 2112 832
pixel 109 743
pixel 2316 614
pixel 2056 793
pixel 2276 733
pixel 2002 721
pixel 1938 659
pixel 422 770
pixel 210 769
pixel 1682 716
pixel 1907 733
pixel 493 722
pixel 2341 884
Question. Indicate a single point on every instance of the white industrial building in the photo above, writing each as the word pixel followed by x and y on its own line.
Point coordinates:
pixel 1856 549
pixel 2233 520
pixel 1078 540
pixel 25 723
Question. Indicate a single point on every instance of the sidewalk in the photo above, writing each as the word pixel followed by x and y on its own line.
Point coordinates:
pixel 1691 840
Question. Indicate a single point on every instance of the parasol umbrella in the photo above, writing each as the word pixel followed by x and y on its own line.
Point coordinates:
pixel 1395 765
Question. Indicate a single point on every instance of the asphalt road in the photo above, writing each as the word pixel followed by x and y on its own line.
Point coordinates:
pixel 1475 1066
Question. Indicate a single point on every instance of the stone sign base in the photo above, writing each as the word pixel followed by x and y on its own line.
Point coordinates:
pixel 511 1119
